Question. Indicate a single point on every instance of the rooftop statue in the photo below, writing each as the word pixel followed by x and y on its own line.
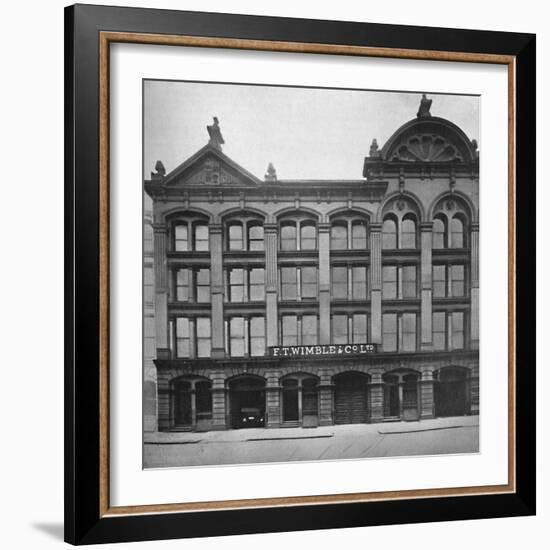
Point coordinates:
pixel 216 138
pixel 424 109
pixel 374 150
pixel 160 170
pixel 271 174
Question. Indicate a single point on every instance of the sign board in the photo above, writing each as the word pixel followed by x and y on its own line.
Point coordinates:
pixel 299 352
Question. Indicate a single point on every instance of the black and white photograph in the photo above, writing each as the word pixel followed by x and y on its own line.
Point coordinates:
pixel 310 273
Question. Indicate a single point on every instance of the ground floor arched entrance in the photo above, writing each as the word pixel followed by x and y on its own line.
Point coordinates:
pixel 451 392
pixel 300 400
pixel 247 402
pixel 401 395
pixel 351 403
pixel 192 404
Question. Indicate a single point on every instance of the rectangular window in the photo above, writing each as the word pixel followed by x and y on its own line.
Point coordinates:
pixel 181 239
pixel 183 337
pixel 389 332
pixel 309 330
pixel 340 329
pixel 409 281
pixel 439 331
pixel 201 237
pixel 289 330
pixel 236 285
pixel 182 285
pixel 457 281
pixel 439 281
pixel 457 328
pixel 309 282
pixel 202 282
pixel 235 237
pixel 257 284
pixel 360 328
pixel 339 282
pixel 148 284
pixel 389 282
pixel 408 330
pixel 257 336
pixel 359 283
pixel 289 286
pixel 236 337
pixel 203 337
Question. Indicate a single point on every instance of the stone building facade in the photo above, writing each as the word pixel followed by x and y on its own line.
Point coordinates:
pixel 236 265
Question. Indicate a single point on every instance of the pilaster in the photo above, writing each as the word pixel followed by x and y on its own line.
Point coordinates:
pixel 474 286
pixel 426 230
pixel 376 282
pixel 324 283
pixel 271 286
pixel 216 291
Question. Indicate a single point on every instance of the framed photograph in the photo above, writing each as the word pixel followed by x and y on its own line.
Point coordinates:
pixel 299 274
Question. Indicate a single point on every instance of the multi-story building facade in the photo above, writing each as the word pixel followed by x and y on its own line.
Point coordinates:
pixel 242 265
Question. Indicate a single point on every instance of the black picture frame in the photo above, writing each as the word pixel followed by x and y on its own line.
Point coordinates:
pixel 84 521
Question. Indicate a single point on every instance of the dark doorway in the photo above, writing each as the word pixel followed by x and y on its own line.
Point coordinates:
pixel 410 397
pixel 183 412
pixel 351 398
pixel 290 401
pixel 391 396
pixel 247 402
pixel 310 403
pixel 451 392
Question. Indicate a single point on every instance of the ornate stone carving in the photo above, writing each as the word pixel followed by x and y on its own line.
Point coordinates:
pixel 374 151
pixel 160 171
pixel 216 138
pixel 424 108
pixel 426 148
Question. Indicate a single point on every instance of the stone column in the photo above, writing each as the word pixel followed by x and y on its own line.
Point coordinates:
pixel 324 283
pixel 474 287
pixel 216 291
pixel 273 399
pixel 164 402
pixel 326 392
pixel 271 286
pixel 218 401
pixel 426 286
pixel 474 391
pixel 161 290
pixel 376 282
pixel 427 395
pixel 376 397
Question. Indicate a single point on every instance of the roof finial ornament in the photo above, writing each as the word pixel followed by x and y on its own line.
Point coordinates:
pixel 216 138
pixel 160 171
pixel 424 109
pixel 271 174
pixel 374 150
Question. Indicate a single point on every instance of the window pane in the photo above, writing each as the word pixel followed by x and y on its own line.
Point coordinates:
pixel 256 237
pixel 309 330
pixel 180 238
pixel 439 281
pixel 339 329
pixel 439 330
pixel 308 238
pixel 360 328
pixel 257 336
pixel 408 321
pixel 339 281
pixel 201 236
pixel 235 237
pixel 289 288
pixel 389 282
pixel 339 236
pixel 203 285
pixel 236 284
pixel 290 330
pixel 182 285
pixel 359 235
pixel 288 236
pixel 457 280
pixel 182 337
pixel 257 284
pixel 236 331
pixel 438 240
pixel 359 280
pixel 309 282
pixel 389 332
pixel 409 281
pixel 457 325
pixel 408 234
pixel 203 337
pixel 457 233
pixel 389 234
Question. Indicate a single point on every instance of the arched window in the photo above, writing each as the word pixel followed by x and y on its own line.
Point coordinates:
pixel 308 236
pixel 200 230
pixel 288 236
pixel 439 239
pixel 255 236
pixel 389 234
pixel 359 235
pixel 339 236
pixel 408 232
pixel 235 236
pixel 457 233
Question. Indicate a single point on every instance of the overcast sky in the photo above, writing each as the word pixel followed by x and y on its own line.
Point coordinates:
pixel 306 133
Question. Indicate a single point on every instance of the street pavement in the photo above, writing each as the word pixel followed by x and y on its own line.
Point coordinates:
pixel 254 445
